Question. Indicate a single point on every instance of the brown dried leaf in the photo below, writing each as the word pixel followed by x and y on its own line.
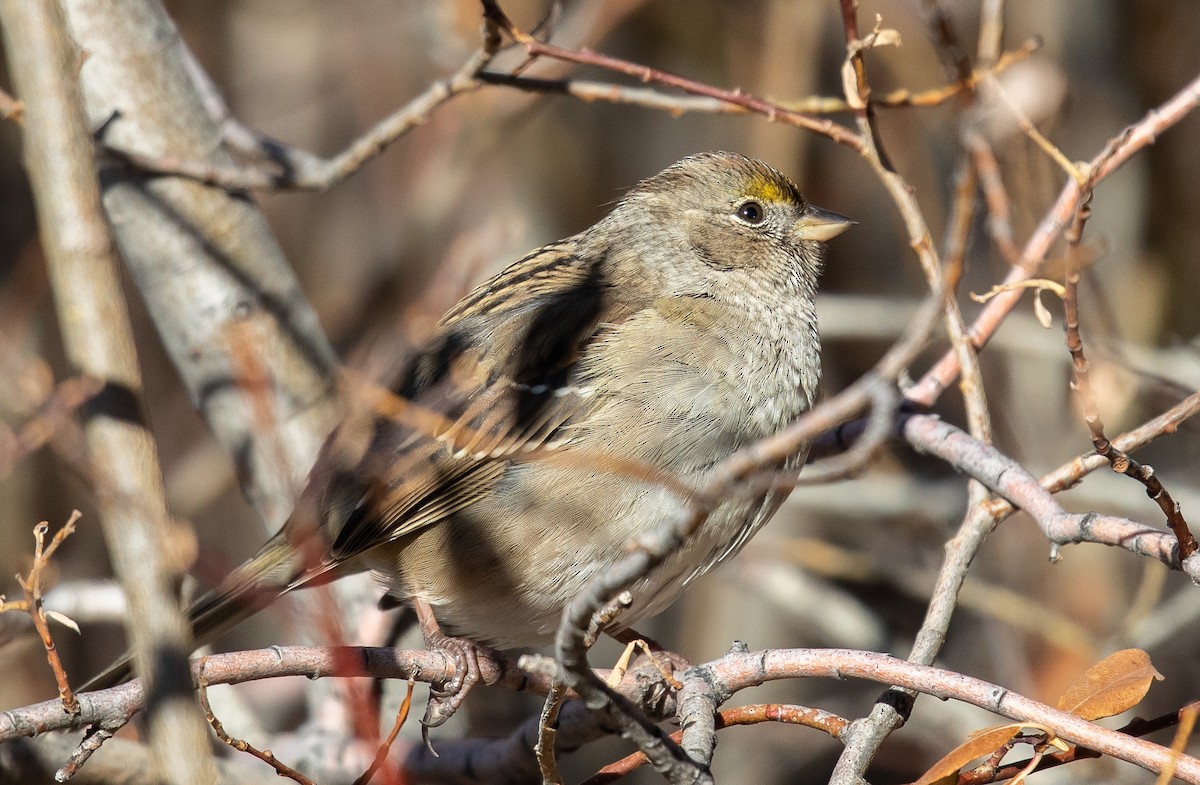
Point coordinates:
pixel 981 743
pixel 1111 686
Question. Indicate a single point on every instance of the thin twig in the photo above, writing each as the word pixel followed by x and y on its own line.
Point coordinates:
pixel 772 111
pixel 1005 477
pixel 571 653
pixel 1119 150
pixel 1070 473
pixel 649 98
pixel 382 754
pixel 290 168
pixel 1029 129
pixel 31 584
pixel 54 414
pixel 752 714
pixel 1120 461
pixel 266 756
pixel 995 194
pixel 93 739
pixel 547 732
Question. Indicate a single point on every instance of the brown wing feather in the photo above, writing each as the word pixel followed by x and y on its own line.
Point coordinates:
pixel 500 369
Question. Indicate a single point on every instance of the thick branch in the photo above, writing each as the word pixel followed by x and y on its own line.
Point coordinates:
pixel 83 270
pixel 223 297
pixel 734 672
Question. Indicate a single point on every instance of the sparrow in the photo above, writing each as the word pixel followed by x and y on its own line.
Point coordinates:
pixel 673 332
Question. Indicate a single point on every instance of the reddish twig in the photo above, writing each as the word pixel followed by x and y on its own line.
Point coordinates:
pixel 31 584
pixel 774 112
pixel 649 98
pixel 958 228
pixel 386 745
pixel 753 714
pixel 266 756
pixel 1118 459
pixel 992 771
pixel 1119 150
pixel 995 194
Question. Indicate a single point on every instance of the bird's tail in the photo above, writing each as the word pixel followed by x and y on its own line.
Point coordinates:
pixel 276 569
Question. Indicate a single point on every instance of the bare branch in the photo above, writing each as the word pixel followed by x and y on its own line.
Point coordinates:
pixel 649 98
pixel 266 756
pixel 1119 150
pixel 734 672
pixel 96 331
pixel 32 604
pixel 772 111
pixel 286 167
pixel 1081 369
pixel 1006 478
pixel 227 286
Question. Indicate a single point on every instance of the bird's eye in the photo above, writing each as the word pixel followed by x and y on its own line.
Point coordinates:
pixel 751 212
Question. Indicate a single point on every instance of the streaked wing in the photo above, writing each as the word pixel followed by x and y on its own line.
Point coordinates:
pixel 499 371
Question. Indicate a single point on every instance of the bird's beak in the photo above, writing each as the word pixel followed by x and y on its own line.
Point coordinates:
pixel 819 224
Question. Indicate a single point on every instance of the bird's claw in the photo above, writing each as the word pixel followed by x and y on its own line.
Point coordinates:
pixel 446 700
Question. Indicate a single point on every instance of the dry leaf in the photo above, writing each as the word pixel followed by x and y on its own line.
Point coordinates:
pixel 850 86
pixel 64 620
pixel 1041 311
pixel 885 37
pixel 1116 683
pixel 981 743
pixel 881 36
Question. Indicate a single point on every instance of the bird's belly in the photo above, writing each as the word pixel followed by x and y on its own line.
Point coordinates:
pixel 501 572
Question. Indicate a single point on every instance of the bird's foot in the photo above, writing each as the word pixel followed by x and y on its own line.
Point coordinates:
pixel 444 701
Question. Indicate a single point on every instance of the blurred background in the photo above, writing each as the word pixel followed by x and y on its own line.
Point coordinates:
pixel 499 172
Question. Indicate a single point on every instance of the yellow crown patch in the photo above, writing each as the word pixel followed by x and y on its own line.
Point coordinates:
pixel 769 189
